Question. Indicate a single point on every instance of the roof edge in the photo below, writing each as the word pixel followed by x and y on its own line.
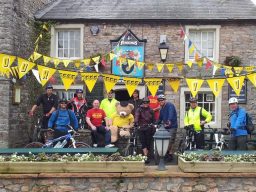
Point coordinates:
pixel 41 12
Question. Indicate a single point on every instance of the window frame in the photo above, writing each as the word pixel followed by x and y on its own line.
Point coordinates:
pixel 217 122
pixel 215 28
pixel 54 39
pixel 72 88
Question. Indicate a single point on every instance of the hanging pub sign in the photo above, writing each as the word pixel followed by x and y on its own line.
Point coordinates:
pixel 129 51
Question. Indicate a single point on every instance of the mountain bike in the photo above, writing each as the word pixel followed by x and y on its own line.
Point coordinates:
pixel 65 141
pixel 188 140
pixel 219 137
pixel 132 147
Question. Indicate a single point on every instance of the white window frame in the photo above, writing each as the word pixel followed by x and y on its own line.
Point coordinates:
pixel 56 88
pixel 217 122
pixel 204 27
pixel 54 39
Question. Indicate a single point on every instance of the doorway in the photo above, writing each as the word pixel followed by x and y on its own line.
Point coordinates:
pixel 122 95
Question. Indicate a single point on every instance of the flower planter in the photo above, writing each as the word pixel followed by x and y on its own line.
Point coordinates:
pixel 73 167
pixel 216 166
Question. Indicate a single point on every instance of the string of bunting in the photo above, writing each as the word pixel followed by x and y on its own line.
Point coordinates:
pixel 68 77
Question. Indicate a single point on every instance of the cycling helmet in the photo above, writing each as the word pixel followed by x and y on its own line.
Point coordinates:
pixel 49 86
pixel 232 100
pixel 161 97
pixel 79 91
pixel 63 100
pixel 193 100
pixel 145 100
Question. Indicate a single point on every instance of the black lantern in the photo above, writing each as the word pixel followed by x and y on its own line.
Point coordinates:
pixel 162 139
pixel 163 50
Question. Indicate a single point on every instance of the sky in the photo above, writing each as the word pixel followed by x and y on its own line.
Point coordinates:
pixel 254 1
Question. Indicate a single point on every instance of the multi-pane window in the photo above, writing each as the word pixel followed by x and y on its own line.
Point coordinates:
pixel 205 100
pixel 63 94
pixel 204 41
pixel 68 43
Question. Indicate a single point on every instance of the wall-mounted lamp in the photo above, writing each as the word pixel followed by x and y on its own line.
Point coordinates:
pixel 163 50
pixel 94 30
pixel 16 95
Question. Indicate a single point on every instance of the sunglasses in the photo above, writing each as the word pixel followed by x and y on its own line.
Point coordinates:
pixel 160 99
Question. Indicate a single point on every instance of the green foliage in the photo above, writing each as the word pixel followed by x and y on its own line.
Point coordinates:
pixel 233 61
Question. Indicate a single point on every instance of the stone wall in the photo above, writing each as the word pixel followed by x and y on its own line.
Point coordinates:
pixel 152 184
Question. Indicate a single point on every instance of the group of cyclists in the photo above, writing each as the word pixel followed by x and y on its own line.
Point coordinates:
pixel 58 115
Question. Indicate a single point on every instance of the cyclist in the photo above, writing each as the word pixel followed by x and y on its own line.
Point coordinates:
pixel 197 116
pixel 237 123
pixel 49 102
pixel 144 116
pixel 79 105
pixel 61 119
pixel 135 100
pixel 168 116
pixel 154 104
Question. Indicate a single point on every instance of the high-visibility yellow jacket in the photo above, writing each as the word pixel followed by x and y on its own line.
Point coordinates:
pixel 192 117
pixel 108 106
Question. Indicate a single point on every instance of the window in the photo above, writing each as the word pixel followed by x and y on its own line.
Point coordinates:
pixel 67 41
pixel 207 100
pixel 60 91
pixel 206 40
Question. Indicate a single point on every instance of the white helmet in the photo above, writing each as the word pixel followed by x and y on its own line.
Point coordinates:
pixel 232 100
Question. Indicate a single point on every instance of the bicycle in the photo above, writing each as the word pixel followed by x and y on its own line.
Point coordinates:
pixel 132 145
pixel 60 142
pixel 39 135
pixel 188 141
pixel 219 137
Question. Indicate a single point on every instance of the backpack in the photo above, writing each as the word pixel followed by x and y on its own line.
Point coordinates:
pixel 57 116
pixel 249 124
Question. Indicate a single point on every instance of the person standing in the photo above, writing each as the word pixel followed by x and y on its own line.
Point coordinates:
pixel 49 103
pixel 168 116
pixel 136 101
pixel 154 105
pixel 237 122
pixel 197 117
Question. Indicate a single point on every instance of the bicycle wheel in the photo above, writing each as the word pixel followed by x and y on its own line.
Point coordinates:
pixel 34 145
pixel 79 145
pixel 129 150
pixel 36 134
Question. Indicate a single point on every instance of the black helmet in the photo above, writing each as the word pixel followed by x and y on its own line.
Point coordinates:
pixel 63 100
pixel 49 86
pixel 193 100
pixel 161 97
pixel 79 91
pixel 145 100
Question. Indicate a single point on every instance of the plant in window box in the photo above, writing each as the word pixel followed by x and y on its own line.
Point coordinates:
pixel 232 61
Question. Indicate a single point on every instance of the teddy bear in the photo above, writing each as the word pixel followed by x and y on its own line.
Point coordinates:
pixel 121 121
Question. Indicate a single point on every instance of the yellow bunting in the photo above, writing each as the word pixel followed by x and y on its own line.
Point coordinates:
pixel 14 71
pixel 174 84
pixel 194 85
pixel 46 59
pixel 110 81
pixel 56 62
pixel 238 70
pixel 36 56
pixel 130 63
pixel 96 59
pixel 122 60
pixel 190 63
pixel 45 27
pixel 180 66
pixel 249 69
pixel 65 62
pixel 111 56
pixel 191 49
pixel 24 66
pixel 131 84
pixel 150 66
pixel 140 64
pixel 170 67
pixel 67 77
pixel 236 83
pixel 252 78
pixel 45 73
pixel 77 64
pixel 216 85
pixel 86 61
pixel 5 64
pixel 228 71
pixel 200 63
pixel 153 84
pixel 160 67
pixel 90 79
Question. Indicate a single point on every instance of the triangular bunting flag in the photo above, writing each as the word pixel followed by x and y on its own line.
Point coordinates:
pixel 122 60
pixel 6 62
pixel 208 64
pixel 191 49
pixel 215 68
pixel 14 71
pixel 197 57
pixel 140 64
pixel 77 63
pixel 236 83
pixel 182 32
pixel 96 66
pixel 45 27
pixel 252 78
pixel 67 77
pixel 170 67
pixel 130 63
pixel 190 63
pixel 194 85
pixel 249 69
pixel 159 67
pixel 153 84
pixel 96 59
pixel 238 70
pixel 228 71
pixel 111 56
pixel 56 62
pixel 90 79
pixel 24 67
pixel 36 74
pixel 150 66
pixel 65 62
pixel 180 66
pixel 110 81
pixel 36 56
pixel 45 73
pixel 200 63
pixel 131 84
pixel 86 61
pixel 216 85
pixel 174 84
pixel 46 59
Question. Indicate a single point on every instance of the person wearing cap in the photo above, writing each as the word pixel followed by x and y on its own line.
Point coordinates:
pixel 78 105
pixel 237 122
pixel 168 116
pixel 197 116
pixel 61 119
pixel 49 103
pixel 135 100
pixel 144 118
